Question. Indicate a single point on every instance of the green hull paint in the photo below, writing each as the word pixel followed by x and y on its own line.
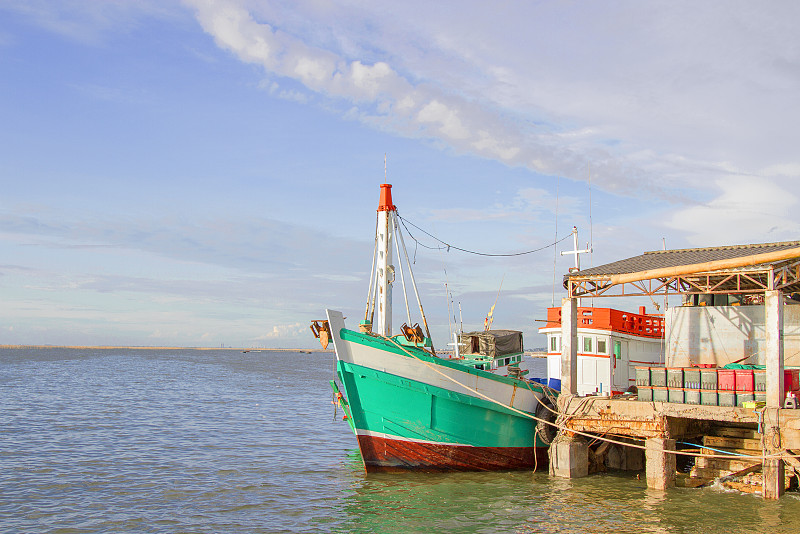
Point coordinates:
pixel 388 346
pixel 407 409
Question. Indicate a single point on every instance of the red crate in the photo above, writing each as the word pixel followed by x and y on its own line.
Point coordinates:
pixel 726 379
pixel 745 380
pixel 791 379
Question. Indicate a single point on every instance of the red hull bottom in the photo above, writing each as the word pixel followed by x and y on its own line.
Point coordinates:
pixel 383 454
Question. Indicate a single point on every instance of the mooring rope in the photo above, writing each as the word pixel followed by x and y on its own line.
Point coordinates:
pixel 561 426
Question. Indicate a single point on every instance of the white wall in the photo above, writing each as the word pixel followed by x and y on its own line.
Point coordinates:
pixel 723 334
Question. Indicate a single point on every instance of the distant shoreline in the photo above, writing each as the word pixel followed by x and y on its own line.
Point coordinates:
pixel 106 347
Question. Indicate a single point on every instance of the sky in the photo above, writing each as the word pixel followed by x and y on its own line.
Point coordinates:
pixel 206 173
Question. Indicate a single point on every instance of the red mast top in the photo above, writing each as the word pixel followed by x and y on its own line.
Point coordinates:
pixel 385 203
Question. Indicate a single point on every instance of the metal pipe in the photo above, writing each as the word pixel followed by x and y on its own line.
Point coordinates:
pixel 730 263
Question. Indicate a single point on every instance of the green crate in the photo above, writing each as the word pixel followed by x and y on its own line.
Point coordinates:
pixel 643 376
pixel 660 394
pixel 743 397
pixel 658 376
pixel 760 376
pixel 645 393
pixel 676 395
pixel 708 379
pixel 726 398
pixel 675 377
pixel 691 396
pixel 691 379
pixel 708 397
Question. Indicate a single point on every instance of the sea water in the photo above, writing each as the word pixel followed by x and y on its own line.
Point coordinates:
pixel 221 441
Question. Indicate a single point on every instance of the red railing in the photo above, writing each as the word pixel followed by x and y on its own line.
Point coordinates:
pixel 637 324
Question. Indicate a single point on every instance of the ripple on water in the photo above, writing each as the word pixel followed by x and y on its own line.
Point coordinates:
pixel 220 441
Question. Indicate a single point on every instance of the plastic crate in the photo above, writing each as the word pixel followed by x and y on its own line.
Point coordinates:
pixel 660 394
pixel 741 398
pixel 645 393
pixel 691 379
pixel 643 376
pixel 726 380
pixel 708 397
pixel 726 398
pixel 658 376
pixel 691 396
pixel 675 377
pixel 745 380
pixel 708 379
pixel 760 397
pixel 791 377
pixel 760 379
pixel 675 395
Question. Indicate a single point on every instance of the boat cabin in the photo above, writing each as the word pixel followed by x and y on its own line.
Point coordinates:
pixel 611 343
pixel 491 350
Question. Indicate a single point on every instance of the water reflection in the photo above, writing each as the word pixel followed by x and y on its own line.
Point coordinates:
pixel 526 502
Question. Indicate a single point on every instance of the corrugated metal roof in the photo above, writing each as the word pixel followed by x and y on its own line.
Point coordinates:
pixel 657 259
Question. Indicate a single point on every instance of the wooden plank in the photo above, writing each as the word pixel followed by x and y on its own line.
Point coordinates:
pixel 745 452
pixel 732 443
pixel 734 464
pixel 685 481
pixel 731 432
pixel 708 473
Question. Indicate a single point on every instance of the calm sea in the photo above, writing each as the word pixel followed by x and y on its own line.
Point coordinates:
pixel 222 441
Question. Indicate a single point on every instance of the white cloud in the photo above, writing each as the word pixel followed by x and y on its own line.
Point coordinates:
pixel 90 21
pixel 747 210
pixel 555 87
pixel 284 331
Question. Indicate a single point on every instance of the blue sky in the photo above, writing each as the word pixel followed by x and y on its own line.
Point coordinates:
pixel 207 172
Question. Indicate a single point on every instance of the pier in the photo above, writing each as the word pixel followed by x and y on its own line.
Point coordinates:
pixel 747 294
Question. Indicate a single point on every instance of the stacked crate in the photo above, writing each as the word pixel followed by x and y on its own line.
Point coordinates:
pixel 745 386
pixel 707 385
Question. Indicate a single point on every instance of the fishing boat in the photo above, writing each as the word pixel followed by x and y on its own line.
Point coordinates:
pixel 413 409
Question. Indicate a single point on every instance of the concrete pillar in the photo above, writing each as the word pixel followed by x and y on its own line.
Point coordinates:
pixel 774 478
pixel 772 469
pixel 569 346
pixel 773 315
pixel 569 457
pixel 659 465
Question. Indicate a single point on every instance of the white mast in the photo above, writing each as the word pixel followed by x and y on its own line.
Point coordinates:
pixel 385 269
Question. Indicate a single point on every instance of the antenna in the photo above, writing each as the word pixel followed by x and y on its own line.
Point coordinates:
pixel 555 240
pixel 576 252
pixel 591 226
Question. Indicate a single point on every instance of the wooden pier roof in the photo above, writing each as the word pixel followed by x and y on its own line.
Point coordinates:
pixel 727 269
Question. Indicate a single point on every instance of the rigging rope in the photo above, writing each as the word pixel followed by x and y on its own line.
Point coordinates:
pixel 448 246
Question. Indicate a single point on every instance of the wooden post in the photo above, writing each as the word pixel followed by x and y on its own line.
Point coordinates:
pixel 773 316
pixel 660 465
pixel 569 346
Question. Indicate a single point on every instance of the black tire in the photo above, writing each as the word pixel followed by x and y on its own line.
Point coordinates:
pixel 546 411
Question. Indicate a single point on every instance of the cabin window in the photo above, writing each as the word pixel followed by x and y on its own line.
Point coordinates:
pixel 601 346
pixel 617 349
pixel 587 344
pixel 554 344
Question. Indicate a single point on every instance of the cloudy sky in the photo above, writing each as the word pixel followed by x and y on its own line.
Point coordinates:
pixel 207 172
